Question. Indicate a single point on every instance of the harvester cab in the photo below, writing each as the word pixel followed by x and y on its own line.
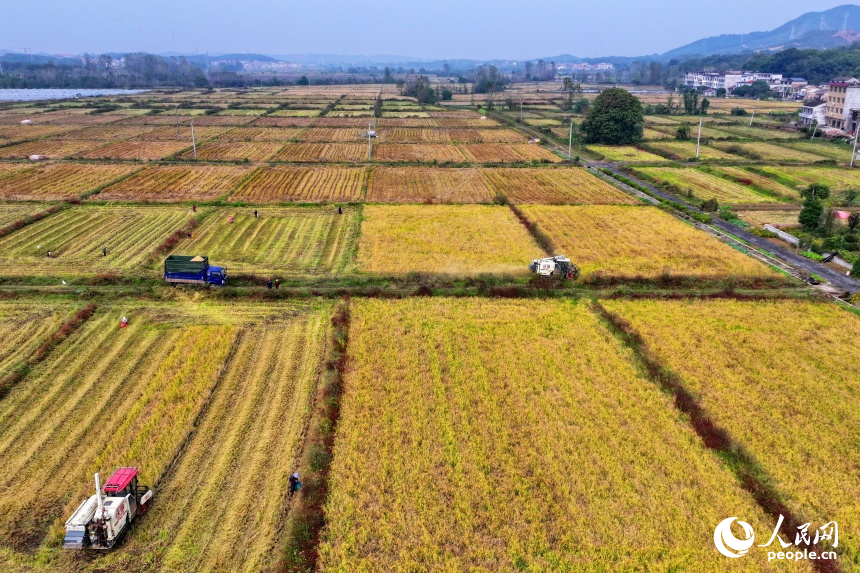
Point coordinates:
pixel 101 521
pixel 556 266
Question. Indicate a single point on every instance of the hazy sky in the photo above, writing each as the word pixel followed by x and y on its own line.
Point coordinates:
pixel 505 29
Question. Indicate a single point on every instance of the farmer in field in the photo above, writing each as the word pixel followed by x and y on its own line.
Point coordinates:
pixel 124 322
pixel 194 208
pixel 277 283
pixel 104 251
pixel 295 484
pixel 269 284
pixel 339 210
pixel 231 219
pixel 255 214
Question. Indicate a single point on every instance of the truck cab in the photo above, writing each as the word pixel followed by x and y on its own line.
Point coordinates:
pixel 216 276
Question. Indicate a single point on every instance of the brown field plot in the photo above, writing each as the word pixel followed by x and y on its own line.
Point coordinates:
pixel 507 153
pixel 50 148
pixel 143 150
pixel 250 151
pixel 417 152
pixel 55 181
pixel 300 184
pixel 276 134
pixel 553 186
pixel 332 134
pixel 427 185
pixel 322 152
pixel 176 183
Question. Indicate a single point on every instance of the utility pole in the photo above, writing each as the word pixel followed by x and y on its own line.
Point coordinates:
pixel 751 118
pixel 854 152
pixel 570 140
pixel 814 129
pixel 699 138
pixel 176 112
pixel 193 140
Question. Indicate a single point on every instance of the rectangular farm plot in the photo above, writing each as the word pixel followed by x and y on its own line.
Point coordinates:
pixel 274 134
pixel 50 148
pixel 684 150
pixel 248 151
pixel 417 152
pixel 250 434
pixel 300 184
pixel 446 239
pixel 56 181
pixel 104 398
pixel 631 242
pixel 281 241
pixel 322 152
pixel 769 152
pixel 553 186
pixel 176 183
pixel 706 186
pixel 497 435
pixel 427 185
pixel 24 327
pixel 413 135
pixel 789 400
pixel 626 153
pixel 77 235
pixel 142 150
pixel 507 153
pixel 12 212
pixel 333 134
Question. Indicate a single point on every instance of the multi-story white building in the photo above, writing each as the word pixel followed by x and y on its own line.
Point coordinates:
pixel 813 112
pixel 729 80
pixel 843 104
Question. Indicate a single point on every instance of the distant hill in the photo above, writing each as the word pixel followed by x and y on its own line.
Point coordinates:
pixel 832 28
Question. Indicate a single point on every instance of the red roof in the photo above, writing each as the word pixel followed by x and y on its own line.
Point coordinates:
pixel 119 479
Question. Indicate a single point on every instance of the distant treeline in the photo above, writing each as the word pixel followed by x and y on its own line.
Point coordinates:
pixel 131 71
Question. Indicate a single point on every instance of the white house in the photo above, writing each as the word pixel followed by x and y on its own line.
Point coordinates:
pixel 813 111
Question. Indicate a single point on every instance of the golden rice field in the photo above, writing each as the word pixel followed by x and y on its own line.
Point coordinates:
pixel 177 183
pixel 241 377
pixel 650 134
pixel 553 186
pixel 417 152
pixel 269 121
pixel 772 151
pixel 322 152
pixel 625 153
pixel 106 133
pixel 617 242
pixel 748 132
pixel 77 235
pixel 49 182
pixel 507 153
pixel 465 122
pixel 782 378
pixel 170 133
pixel 841 152
pixel 452 455
pixel 684 150
pixel 427 185
pixel 446 239
pixel 23 328
pixel 836 179
pixel 242 151
pixel 143 150
pixel 413 135
pixel 27 132
pixel 706 186
pixel 281 241
pixel 290 183
pixel 50 148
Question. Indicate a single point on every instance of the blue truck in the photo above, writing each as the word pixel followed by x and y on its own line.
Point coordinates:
pixel 184 269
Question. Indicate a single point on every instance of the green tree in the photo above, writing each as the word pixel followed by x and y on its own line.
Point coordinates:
pixel 581 106
pixel 855 270
pixel 853 221
pixel 810 215
pixel 303 81
pixel 703 107
pixel 758 89
pixel 683 132
pixel 615 118
pixel 816 191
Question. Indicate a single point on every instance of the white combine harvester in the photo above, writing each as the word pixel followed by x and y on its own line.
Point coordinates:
pixel 102 520
pixel 557 266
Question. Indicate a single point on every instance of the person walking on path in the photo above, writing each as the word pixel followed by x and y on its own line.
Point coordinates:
pixel 295 484
pixel 269 284
pixel 104 251
pixel 231 219
pixel 339 210
pixel 277 283
pixel 255 214
pixel 194 208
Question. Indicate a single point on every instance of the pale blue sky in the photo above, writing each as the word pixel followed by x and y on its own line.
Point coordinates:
pixel 522 29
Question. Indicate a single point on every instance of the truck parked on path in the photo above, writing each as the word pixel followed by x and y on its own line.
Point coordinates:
pixel 184 269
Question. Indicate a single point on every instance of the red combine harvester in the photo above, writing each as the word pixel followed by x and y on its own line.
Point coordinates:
pixel 102 520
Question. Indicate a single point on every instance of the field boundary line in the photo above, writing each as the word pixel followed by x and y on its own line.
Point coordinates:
pixel 751 476
pixel 62 333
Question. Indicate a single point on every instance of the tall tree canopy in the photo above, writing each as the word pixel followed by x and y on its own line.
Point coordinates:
pixel 615 118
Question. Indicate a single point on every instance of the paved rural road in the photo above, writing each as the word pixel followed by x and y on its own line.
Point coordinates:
pixel 835 278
